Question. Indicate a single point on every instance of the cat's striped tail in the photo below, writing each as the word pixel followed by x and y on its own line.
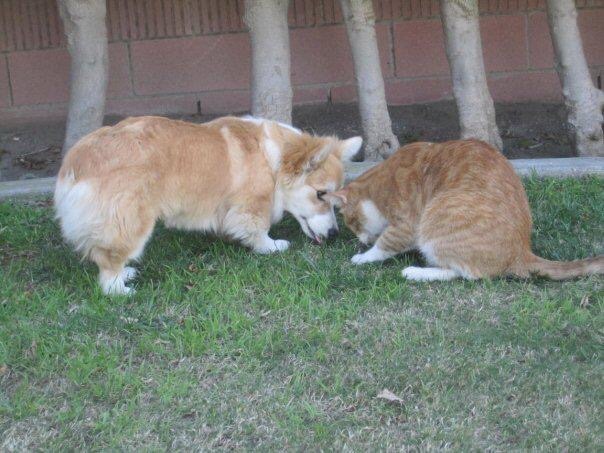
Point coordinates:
pixel 562 270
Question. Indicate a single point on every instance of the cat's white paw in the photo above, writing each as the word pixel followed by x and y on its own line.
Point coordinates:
pixel 413 273
pixel 428 274
pixel 360 258
pixel 373 254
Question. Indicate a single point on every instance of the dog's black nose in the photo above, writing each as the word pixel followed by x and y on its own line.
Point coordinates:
pixel 332 233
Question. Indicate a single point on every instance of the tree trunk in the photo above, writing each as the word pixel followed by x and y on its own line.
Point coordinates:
pixel 464 52
pixel 85 28
pixel 379 140
pixel 271 65
pixel 584 102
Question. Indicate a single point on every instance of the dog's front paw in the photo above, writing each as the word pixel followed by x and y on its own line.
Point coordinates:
pixel 281 245
pixel 272 246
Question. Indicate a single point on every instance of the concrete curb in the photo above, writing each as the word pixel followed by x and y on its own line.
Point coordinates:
pixel 558 167
pixel 27 188
pixel 555 167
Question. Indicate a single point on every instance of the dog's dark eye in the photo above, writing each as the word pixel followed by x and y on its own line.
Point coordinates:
pixel 320 194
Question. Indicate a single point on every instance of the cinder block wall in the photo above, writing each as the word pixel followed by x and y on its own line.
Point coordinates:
pixel 171 56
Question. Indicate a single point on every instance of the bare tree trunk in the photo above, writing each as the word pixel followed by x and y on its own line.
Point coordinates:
pixel 271 63
pixel 464 52
pixel 379 140
pixel 85 28
pixel 584 102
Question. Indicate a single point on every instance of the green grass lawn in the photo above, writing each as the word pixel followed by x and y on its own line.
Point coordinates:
pixel 220 348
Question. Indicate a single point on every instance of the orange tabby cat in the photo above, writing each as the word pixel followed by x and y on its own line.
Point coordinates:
pixel 460 203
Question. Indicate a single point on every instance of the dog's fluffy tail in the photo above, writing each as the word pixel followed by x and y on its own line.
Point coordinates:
pixel 77 212
pixel 562 270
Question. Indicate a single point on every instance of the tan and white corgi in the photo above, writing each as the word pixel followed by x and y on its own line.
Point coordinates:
pixel 232 176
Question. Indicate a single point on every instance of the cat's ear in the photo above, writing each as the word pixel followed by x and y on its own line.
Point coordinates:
pixel 349 148
pixel 337 198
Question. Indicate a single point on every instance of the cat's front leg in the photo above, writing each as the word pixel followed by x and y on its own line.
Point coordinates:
pixel 394 240
pixel 372 255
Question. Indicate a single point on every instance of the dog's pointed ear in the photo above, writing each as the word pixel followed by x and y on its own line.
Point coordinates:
pixel 319 155
pixel 337 198
pixel 349 148
pixel 305 153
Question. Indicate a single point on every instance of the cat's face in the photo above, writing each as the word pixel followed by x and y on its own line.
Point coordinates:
pixel 360 215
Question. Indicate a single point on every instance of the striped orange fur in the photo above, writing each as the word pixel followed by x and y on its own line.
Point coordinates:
pixel 460 203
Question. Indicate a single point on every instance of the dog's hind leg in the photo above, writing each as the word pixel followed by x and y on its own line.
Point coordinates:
pixel 127 244
pixel 129 273
pixel 111 263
